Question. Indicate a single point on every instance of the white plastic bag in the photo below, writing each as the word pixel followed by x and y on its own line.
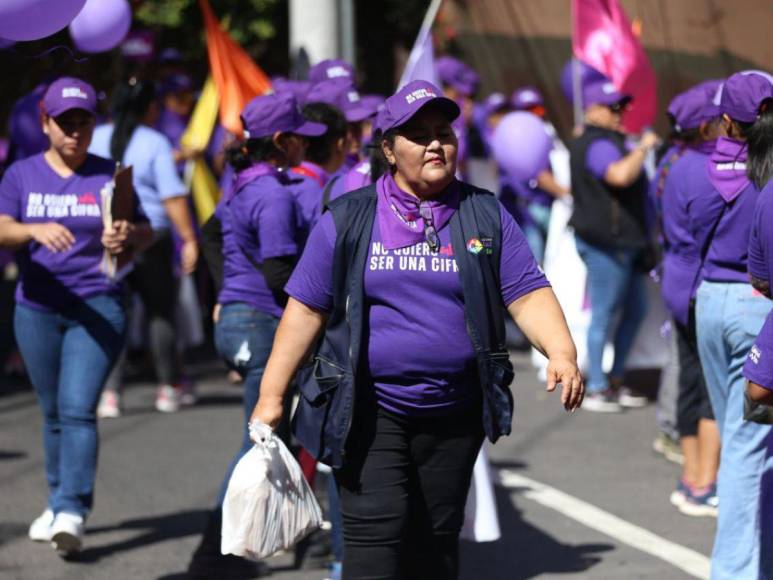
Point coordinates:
pixel 268 506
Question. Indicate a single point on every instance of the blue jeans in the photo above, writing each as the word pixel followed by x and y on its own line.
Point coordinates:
pixel 615 287
pixel 243 337
pixel 68 356
pixel 728 318
pixel 536 229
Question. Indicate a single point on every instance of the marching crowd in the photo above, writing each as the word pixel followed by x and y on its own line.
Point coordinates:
pixel 352 266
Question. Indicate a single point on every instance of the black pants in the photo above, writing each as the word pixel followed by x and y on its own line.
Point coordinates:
pixel 403 488
pixel 153 280
pixel 693 403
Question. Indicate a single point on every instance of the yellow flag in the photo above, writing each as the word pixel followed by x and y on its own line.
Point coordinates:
pixel 203 185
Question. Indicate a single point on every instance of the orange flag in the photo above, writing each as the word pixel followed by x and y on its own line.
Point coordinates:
pixel 237 77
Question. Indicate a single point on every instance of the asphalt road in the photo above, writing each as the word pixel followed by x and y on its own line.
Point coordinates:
pixel 581 496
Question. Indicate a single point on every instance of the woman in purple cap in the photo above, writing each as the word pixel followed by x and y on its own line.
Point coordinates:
pixel 70 320
pixel 695 121
pixel 729 312
pixel 609 189
pixel 406 281
pixel 255 232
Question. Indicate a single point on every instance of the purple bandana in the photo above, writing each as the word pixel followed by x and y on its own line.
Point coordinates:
pixel 727 168
pixel 398 212
pixel 251 174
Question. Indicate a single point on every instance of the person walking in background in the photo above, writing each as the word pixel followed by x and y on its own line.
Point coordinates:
pixel 260 245
pixel 729 312
pixel 70 318
pixel 130 139
pixel 696 120
pixel 408 281
pixel 609 188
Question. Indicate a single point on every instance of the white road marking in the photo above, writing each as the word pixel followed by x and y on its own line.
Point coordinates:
pixel 690 561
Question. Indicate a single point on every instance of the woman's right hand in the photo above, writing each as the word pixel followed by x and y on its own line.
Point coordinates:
pixel 269 410
pixel 54 236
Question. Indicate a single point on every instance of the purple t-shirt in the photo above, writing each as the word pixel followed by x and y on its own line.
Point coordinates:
pixel 759 362
pixel 728 248
pixel 32 192
pixel 761 237
pixel 257 221
pixel 600 155
pixel 414 302
pixel 681 259
pixel 307 183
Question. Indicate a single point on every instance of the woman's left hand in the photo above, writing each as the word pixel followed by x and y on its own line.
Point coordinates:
pixel 116 239
pixel 564 371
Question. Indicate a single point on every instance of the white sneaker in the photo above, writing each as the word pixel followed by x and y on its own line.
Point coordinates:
pixel 628 397
pixel 40 528
pixel 109 405
pixel 167 399
pixel 601 402
pixel 67 533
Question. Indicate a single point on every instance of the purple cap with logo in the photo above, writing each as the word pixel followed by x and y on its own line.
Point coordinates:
pixel 456 74
pixel 694 106
pixel 495 102
pixel 68 93
pixel 176 83
pixel 341 93
pixel 602 92
pixel 375 102
pixel 742 95
pixel 525 98
pixel 267 114
pixel 331 69
pixel 405 103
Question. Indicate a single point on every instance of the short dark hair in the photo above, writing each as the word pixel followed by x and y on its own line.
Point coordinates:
pixel 241 154
pixel 320 148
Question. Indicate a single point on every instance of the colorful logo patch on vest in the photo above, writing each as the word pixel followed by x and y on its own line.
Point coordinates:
pixel 476 246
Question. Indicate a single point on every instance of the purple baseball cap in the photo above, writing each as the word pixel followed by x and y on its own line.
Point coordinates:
pixel 68 93
pixel 694 106
pixel 341 94
pixel 603 93
pixel 176 83
pixel 525 98
pixel 267 114
pixel 494 102
pixel 456 74
pixel 373 101
pixel 405 103
pixel 299 89
pixel 331 69
pixel 742 95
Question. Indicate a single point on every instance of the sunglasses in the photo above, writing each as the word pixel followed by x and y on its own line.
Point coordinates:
pixel 617 107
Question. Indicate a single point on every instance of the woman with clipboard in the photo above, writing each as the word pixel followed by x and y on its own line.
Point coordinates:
pixel 70 319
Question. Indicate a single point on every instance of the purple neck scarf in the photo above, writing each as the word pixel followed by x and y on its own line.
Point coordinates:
pixel 398 215
pixel 251 174
pixel 727 168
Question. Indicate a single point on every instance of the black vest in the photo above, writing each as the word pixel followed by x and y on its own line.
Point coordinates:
pixel 329 383
pixel 606 215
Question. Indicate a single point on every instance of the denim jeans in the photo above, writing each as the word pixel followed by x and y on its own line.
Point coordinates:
pixel 536 229
pixel 68 356
pixel 243 337
pixel 728 317
pixel 615 288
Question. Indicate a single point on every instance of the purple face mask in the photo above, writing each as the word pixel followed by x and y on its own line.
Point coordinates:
pixel 727 168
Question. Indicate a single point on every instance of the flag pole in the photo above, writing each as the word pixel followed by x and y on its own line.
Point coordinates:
pixel 577 105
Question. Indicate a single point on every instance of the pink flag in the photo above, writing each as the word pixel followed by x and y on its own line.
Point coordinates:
pixel 602 37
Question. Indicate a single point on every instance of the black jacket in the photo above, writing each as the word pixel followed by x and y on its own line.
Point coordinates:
pixel 606 215
pixel 329 383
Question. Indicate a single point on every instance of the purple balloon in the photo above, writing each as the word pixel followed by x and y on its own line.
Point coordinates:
pixel 33 19
pixel 101 25
pixel 521 146
pixel 587 74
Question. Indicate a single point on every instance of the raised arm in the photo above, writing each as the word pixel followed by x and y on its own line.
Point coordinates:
pixel 625 171
pixel 297 332
pixel 541 319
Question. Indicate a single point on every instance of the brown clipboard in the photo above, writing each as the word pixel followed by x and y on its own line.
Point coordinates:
pixel 123 207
